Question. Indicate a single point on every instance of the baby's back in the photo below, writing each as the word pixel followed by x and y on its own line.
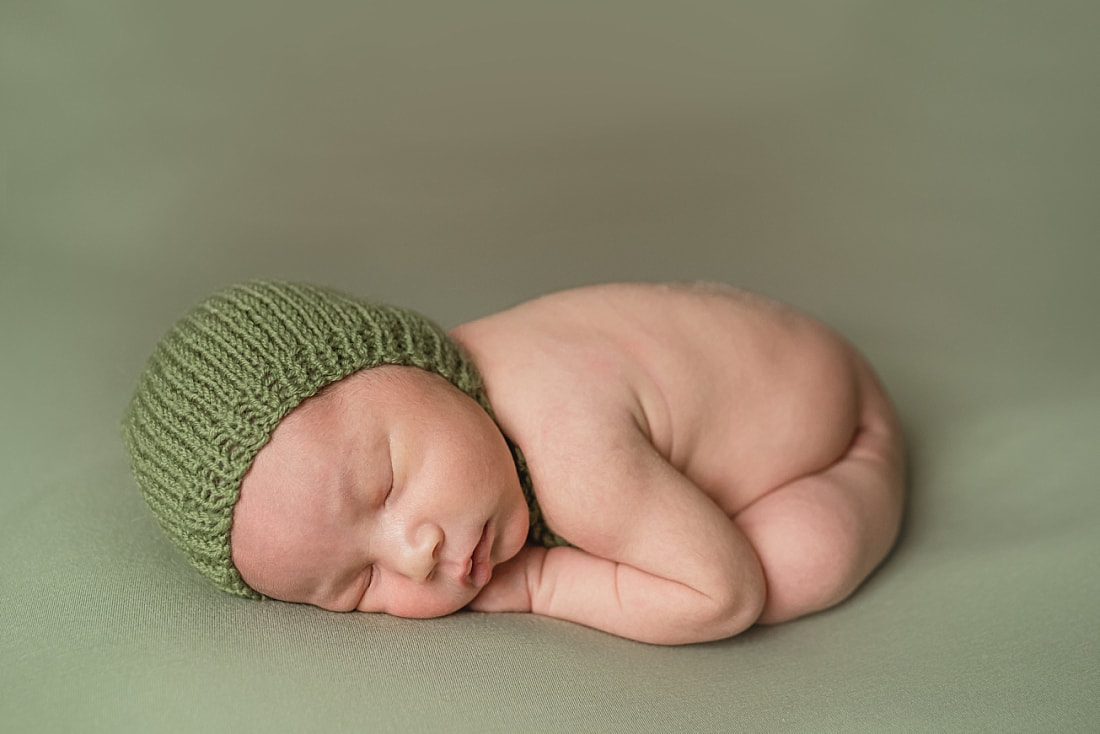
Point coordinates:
pixel 738 392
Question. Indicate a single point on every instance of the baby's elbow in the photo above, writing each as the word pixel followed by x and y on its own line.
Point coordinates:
pixel 731 609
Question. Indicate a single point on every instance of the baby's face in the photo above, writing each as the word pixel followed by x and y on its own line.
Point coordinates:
pixel 392 491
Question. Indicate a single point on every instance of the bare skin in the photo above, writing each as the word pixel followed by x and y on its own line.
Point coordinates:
pixel 715 459
pixel 390 492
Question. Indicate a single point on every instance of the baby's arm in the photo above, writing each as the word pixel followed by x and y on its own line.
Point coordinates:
pixel 661 562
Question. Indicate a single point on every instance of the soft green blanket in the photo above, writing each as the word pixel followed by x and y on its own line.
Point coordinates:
pixel 923 176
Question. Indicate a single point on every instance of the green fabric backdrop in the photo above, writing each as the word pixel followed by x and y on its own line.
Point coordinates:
pixel 922 175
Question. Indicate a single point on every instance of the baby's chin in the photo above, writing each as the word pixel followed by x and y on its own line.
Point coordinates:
pixel 435 614
pixel 431 608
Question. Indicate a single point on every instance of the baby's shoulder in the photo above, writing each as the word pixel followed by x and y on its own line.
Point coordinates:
pixel 566 360
pixel 585 341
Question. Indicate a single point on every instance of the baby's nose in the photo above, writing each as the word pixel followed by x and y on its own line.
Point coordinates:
pixel 418 558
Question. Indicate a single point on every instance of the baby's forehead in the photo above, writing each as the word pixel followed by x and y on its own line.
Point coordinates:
pixel 388 377
pixel 325 406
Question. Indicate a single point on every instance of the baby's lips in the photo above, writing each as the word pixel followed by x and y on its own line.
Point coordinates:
pixel 481 566
pixel 481 574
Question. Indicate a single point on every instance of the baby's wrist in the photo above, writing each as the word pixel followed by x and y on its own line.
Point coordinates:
pixel 533 564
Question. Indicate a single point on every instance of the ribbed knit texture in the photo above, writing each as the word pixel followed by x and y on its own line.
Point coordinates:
pixel 220 381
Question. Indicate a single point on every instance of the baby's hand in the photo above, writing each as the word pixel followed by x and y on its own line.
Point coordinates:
pixel 510 588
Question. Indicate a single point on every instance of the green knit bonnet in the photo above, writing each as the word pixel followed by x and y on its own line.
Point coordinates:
pixel 224 376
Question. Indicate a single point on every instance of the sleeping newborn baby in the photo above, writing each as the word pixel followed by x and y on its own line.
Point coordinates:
pixel 668 463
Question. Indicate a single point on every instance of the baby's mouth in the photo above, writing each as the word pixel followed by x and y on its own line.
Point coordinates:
pixel 480 568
